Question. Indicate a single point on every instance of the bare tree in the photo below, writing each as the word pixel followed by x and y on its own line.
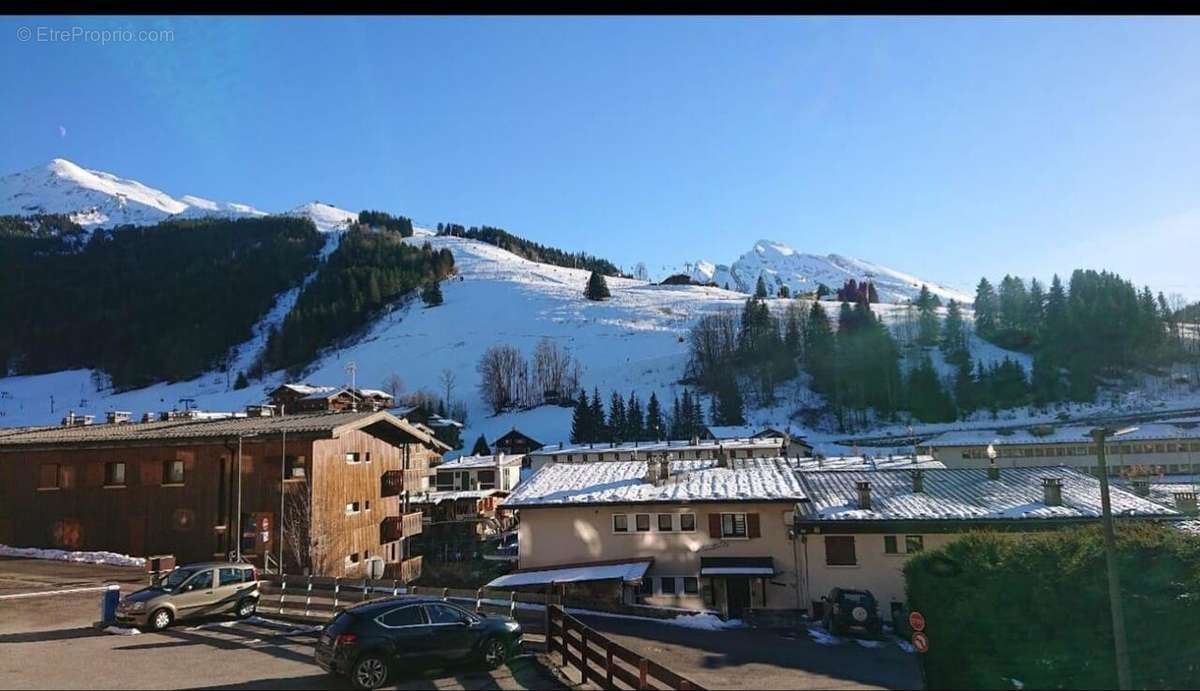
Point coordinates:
pixel 503 377
pixel 309 545
pixel 712 343
pixel 394 385
pixel 640 272
pixel 555 372
pixel 447 379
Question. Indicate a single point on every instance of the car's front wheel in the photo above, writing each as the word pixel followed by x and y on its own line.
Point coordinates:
pixel 246 608
pixel 493 653
pixel 370 672
pixel 160 619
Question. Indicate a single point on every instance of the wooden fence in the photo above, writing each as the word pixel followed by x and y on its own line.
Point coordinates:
pixel 603 662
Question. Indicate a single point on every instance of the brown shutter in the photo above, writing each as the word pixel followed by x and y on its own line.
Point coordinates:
pixel 752 527
pixel 714 525
pixel 95 474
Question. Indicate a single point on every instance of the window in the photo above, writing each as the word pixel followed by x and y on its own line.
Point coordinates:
pixel 914 543
pixel 352 457
pixel 642 522
pixel 691 585
pixel 352 558
pixel 687 522
pixel 232 576
pixel 294 468
pixel 444 614
pixel 367 457
pixel 405 616
pixel 620 523
pixel 666 522
pixel 201 580
pixel 445 481
pixel 367 505
pixel 351 508
pixel 889 545
pixel 646 587
pixel 114 474
pixel 667 585
pixel 487 479
pixel 839 550
pixel 172 472
pixel 48 476
pixel 733 525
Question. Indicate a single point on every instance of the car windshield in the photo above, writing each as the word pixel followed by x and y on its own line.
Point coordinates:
pixel 176 578
pixel 856 598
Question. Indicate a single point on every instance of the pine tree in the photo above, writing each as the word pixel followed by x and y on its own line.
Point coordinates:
pixel 965 398
pixel 760 288
pixel 954 334
pixel 481 447
pixel 597 287
pixel 729 406
pixel 241 382
pixel 785 292
pixel 655 428
pixel 618 426
pixel 432 295
pixel 581 421
pixel 928 324
pixel 985 309
pixel 599 431
pixel 634 419
pixel 676 420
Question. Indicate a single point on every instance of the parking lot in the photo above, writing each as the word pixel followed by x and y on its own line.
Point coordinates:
pixel 46 633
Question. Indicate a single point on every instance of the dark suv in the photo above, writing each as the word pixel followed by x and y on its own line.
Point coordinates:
pixel 851 609
pixel 369 642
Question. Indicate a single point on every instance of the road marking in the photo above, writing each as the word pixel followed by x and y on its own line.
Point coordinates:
pixel 55 592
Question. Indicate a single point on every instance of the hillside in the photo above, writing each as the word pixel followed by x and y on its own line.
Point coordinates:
pixel 780 265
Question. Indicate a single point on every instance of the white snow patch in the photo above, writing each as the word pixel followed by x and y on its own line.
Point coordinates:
pixel 822 637
pixel 110 558
pixel 121 631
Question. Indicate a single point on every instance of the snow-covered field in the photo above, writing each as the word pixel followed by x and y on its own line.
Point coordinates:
pixel 110 558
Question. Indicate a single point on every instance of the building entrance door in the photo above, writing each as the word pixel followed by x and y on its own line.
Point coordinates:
pixel 737 590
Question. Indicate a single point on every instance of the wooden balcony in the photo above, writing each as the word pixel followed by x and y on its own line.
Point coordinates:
pixel 393 482
pixel 405 571
pixel 393 528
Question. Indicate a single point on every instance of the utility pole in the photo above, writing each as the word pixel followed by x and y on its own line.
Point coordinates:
pixel 238 537
pixel 1120 645
pixel 282 487
pixel 352 368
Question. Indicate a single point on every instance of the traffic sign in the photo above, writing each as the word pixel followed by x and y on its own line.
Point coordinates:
pixel 921 642
pixel 916 621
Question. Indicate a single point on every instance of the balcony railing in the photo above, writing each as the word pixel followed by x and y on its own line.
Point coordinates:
pixel 393 528
pixel 393 482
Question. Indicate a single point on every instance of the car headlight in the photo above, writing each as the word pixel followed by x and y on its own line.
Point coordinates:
pixel 136 606
pixel 511 625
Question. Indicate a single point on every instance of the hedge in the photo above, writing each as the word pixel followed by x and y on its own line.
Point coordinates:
pixel 1032 610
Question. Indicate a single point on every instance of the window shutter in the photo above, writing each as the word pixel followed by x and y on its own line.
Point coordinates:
pixel 714 525
pixel 94 473
pixel 752 527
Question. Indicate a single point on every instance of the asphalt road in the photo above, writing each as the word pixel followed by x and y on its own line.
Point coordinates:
pixel 48 642
pixel 764 659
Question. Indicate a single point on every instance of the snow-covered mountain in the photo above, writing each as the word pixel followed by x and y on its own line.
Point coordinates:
pixel 96 199
pixel 325 216
pixel 780 265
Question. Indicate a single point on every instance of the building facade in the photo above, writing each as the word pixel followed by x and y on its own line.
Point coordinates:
pixel 204 489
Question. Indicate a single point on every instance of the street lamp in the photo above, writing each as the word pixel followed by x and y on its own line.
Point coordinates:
pixel 239 494
pixel 1120 647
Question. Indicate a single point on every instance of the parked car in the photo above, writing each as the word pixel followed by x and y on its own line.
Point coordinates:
pixel 194 590
pixel 370 641
pixel 847 609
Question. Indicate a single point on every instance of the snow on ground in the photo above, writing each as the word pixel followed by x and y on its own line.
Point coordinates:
pixel 121 631
pixel 109 558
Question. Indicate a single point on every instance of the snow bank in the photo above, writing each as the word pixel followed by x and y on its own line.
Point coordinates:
pixel 120 631
pixel 706 622
pixel 822 637
pixel 110 558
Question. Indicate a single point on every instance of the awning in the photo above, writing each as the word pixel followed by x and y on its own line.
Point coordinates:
pixel 631 571
pixel 737 566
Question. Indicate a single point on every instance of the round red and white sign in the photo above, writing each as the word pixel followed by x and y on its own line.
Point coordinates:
pixel 916 621
pixel 921 642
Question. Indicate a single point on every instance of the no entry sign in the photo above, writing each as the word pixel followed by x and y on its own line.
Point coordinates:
pixel 916 621
pixel 921 642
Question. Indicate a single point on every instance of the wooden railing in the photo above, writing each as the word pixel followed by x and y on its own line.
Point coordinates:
pixel 603 662
pixel 392 528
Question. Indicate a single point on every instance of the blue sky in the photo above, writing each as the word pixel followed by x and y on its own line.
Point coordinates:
pixel 949 148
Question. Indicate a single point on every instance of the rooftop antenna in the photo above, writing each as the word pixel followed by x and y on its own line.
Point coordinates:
pixel 352 368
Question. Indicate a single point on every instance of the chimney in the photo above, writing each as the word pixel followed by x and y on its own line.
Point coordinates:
pixel 500 461
pixel 722 457
pixel 993 471
pixel 1185 502
pixel 864 494
pixel 918 480
pixel 1141 487
pixel 695 440
pixel 652 471
pixel 664 469
pixel 118 417
pixel 260 410
pixel 1052 491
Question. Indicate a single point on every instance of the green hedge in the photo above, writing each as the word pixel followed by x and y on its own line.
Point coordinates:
pixel 1034 608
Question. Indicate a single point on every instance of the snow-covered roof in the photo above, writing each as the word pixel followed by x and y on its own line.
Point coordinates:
pixel 733 431
pixel 1156 431
pixel 306 389
pixel 1189 526
pixel 327 392
pixel 864 463
pixel 439 421
pixel 436 497
pixel 624 482
pixel 673 446
pixel 477 462
pixel 374 393
pixel 964 494
pixel 630 572
pixel 1163 488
